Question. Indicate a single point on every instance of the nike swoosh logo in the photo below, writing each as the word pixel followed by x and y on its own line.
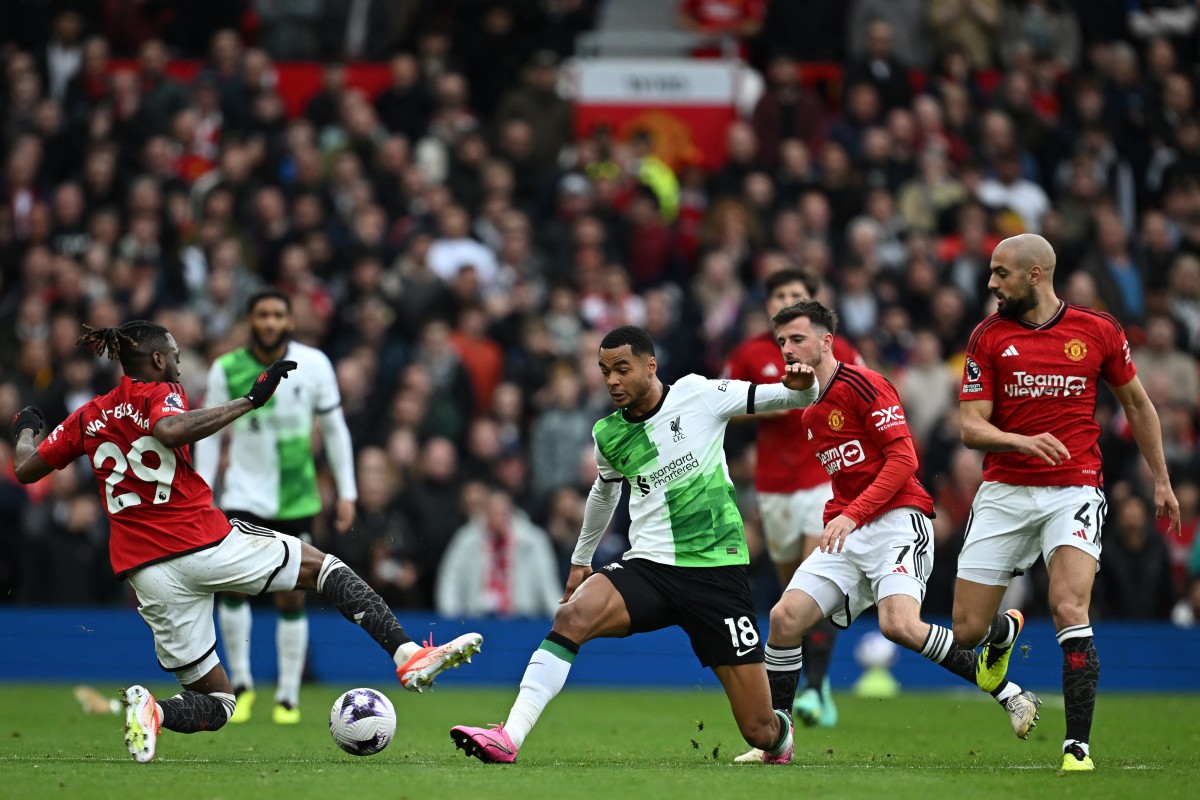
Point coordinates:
pixel 744 652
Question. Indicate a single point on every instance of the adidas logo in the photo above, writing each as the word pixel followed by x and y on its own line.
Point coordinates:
pixel 1011 350
pixel 901 570
pixel 1081 534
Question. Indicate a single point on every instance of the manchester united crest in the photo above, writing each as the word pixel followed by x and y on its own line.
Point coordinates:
pixel 1075 350
pixel 836 419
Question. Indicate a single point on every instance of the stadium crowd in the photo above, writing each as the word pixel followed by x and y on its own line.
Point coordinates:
pixel 458 251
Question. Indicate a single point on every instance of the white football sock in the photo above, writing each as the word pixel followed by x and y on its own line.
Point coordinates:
pixel 544 678
pixel 235 623
pixel 291 640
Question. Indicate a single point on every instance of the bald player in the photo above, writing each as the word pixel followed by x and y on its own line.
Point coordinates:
pixel 1028 400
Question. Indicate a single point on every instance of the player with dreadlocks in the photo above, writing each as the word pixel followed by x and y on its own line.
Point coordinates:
pixel 176 549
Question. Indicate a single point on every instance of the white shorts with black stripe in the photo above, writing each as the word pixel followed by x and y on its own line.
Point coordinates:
pixel 1010 526
pixel 175 597
pixel 891 554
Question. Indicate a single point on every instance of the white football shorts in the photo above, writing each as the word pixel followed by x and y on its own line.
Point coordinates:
pixel 891 554
pixel 1010 526
pixel 788 518
pixel 175 597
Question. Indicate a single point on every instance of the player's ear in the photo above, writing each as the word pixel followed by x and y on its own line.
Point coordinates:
pixel 651 365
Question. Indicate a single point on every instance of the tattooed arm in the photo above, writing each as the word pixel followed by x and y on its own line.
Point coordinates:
pixel 183 429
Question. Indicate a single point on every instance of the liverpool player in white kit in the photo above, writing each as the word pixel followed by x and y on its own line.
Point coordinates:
pixel 176 549
pixel 877 545
pixel 1028 398
pixel 686 563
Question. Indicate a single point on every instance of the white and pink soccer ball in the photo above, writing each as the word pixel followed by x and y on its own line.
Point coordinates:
pixel 362 722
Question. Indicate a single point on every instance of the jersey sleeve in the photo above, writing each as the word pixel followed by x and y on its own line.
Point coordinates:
pixel 724 397
pixel 165 400
pixel 979 376
pixel 608 473
pixel 64 444
pixel 206 453
pixel 1117 368
pixel 329 397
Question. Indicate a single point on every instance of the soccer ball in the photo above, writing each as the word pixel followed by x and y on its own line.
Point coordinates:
pixel 362 722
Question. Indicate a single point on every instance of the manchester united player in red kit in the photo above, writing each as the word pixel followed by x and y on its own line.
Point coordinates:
pixel 877 544
pixel 790 484
pixel 176 550
pixel 1028 398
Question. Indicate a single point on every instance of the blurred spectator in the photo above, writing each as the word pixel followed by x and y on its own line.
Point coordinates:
pixel 499 564
pixel 1040 29
pixel 356 30
pixel 879 66
pixel 404 106
pixel 290 29
pixel 727 24
pixel 1117 274
pixel 967 25
pixel 787 111
pixel 537 102
pixel 1136 580
pixel 807 30
pixel 909 25
pixel 1159 355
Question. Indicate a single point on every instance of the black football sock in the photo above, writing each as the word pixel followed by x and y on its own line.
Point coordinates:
pixel 818 650
pixel 359 603
pixel 783 673
pixel 192 712
pixel 1081 676
pixel 940 648
pixel 1002 632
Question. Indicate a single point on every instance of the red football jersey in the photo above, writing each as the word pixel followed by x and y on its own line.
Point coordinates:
pixel 785 460
pixel 158 505
pixel 1044 379
pixel 856 416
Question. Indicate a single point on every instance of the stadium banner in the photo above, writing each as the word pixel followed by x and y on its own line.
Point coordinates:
pixel 685 105
pixel 45 645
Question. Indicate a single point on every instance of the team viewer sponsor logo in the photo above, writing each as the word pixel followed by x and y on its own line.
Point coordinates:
pixel 844 455
pixel 1028 384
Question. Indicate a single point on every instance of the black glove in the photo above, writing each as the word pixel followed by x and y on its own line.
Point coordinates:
pixel 268 382
pixel 27 418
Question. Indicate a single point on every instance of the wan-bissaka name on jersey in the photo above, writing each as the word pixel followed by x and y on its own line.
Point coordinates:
pixel 682 505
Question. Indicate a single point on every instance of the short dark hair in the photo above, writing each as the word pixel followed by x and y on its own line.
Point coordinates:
pixel 132 343
pixel 812 284
pixel 638 340
pixel 269 293
pixel 817 312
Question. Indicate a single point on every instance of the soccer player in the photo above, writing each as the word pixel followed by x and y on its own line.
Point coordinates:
pixel 792 488
pixel 176 549
pixel 1028 399
pixel 686 564
pixel 877 544
pixel 271 481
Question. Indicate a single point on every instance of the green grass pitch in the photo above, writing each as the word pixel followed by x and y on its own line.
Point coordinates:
pixel 606 744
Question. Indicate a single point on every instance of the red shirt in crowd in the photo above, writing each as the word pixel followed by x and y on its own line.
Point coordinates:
pixel 158 506
pixel 785 460
pixel 1044 379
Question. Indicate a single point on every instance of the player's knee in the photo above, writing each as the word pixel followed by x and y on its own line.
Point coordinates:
pixel 786 625
pixel 1068 611
pixel 571 622
pixel 900 629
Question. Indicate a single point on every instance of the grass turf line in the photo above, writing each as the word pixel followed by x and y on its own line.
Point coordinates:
pixel 601 744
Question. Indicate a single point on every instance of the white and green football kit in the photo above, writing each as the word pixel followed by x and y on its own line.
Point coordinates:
pixel 270 471
pixel 682 507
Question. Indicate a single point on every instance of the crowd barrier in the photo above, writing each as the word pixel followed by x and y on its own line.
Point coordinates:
pixel 108 646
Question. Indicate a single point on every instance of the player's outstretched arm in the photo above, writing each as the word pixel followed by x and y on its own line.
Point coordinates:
pixel 978 433
pixel 192 426
pixel 1147 432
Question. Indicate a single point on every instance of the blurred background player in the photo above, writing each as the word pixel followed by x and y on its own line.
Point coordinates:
pixel 791 485
pixel 176 549
pixel 1028 399
pixel 877 544
pixel 271 480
